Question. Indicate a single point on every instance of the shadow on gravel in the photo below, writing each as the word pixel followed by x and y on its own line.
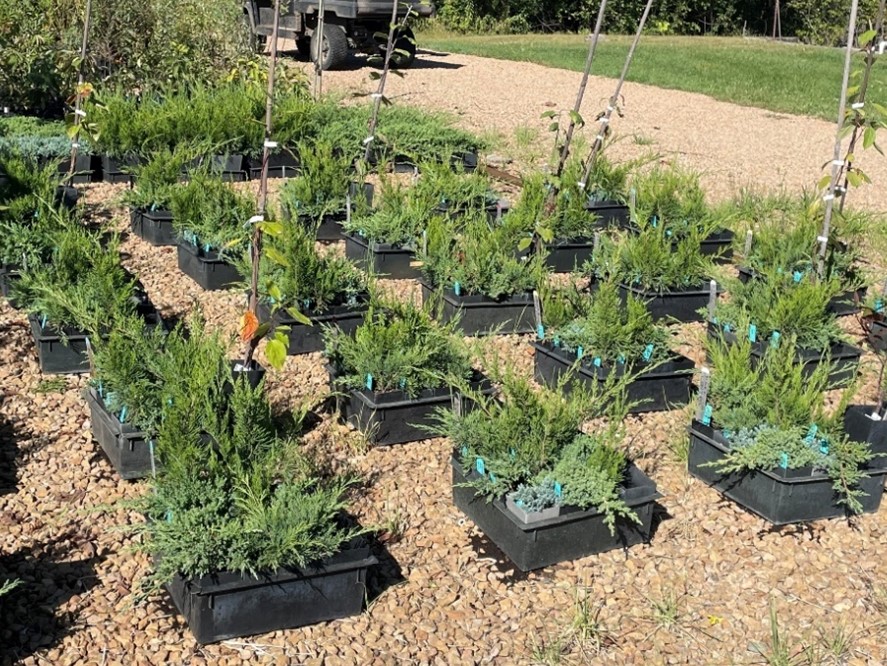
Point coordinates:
pixel 9 455
pixel 50 574
pixel 354 62
pixel 385 575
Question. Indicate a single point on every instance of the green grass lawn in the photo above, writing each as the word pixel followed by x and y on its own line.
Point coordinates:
pixel 754 72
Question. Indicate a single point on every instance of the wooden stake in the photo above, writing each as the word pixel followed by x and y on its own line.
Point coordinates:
pixel 78 112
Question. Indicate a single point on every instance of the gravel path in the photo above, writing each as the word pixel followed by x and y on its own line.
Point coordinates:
pixel 733 146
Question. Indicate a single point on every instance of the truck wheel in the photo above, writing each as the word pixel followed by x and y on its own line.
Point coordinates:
pixel 404 48
pixel 333 51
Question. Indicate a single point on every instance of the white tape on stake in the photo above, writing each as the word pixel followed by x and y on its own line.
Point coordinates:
pixel 857 106
pixel 828 197
pixel 581 185
pixel 74 144
pixel 376 95
pixel 255 219
pixel 604 120
pixel 838 163
pixel 80 112
pixel 271 144
pixel 749 235
pixel 369 139
pixel 822 239
pixel 712 298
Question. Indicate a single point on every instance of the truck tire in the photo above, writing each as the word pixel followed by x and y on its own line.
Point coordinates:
pixel 333 51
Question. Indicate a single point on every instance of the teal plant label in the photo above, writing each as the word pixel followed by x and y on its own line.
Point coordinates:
pixel 752 333
pixel 122 416
pixel 774 339
pixel 556 341
pixel 597 361
pixel 480 466
pixel 706 415
pixel 369 382
pixel 540 332
pixel 783 461
pixel 464 450
pixel 797 275
pixel 648 352
pixel 823 447
pixel 811 434
pixel 580 352
pixel 620 358
pixel 457 289
pixel 558 490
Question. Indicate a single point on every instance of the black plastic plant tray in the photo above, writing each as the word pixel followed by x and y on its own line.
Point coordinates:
pixel 307 339
pixel 206 269
pixel 56 357
pixel 154 226
pixel 875 326
pixel 67 196
pixel 83 172
pixel 8 277
pixel 280 165
pixel 231 605
pixel 844 357
pixel 780 496
pixel 860 427
pixel 569 536
pixel 682 305
pixel 565 256
pixel 660 389
pixel 126 448
pixel 479 315
pixel 610 213
pixel 118 170
pixel 389 261
pixel 254 374
pixel 720 243
pixel 842 305
pixel 392 417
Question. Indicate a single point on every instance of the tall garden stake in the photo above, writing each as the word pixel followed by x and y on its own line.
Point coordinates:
pixel 251 331
pixel 79 95
pixel 318 55
pixel 837 162
pixel 575 117
pixel 614 100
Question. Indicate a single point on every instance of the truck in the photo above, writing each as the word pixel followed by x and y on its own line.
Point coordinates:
pixel 347 25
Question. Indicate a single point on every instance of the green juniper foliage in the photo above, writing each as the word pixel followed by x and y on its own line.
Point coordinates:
pixel 766 412
pixel 672 196
pixel 450 189
pixel 210 214
pixel 531 437
pixel 483 260
pixel 37 140
pixel 293 275
pixel 254 502
pixel 159 176
pixel 401 347
pixel 398 219
pixel 603 326
pixel 654 259
pixel 779 304
pixel 322 185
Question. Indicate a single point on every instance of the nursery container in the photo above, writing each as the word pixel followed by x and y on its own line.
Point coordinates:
pixel 780 496
pixel 67 196
pixel 861 427
pixel 393 417
pixel 82 168
pixel 206 268
pixel 384 259
pixel 254 374
pixel 720 243
pixel 480 315
pixel 126 448
pixel 155 226
pixel 679 304
pixel 841 305
pixel 609 212
pixel 280 165
pixel 844 357
pixel 231 605
pixel 329 228
pixel 466 160
pixel 118 170
pixel 564 256
pixel 875 328
pixel 307 339
pixel 572 534
pixel 663 387
pixel 8 277
pixel 57 357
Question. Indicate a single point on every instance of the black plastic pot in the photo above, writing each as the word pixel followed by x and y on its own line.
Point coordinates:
pixel 280 165
pixel 479 315
pixel 57 357
pixel 720 243
pixel 681 304
pixel 780 496
pixel 390 261
pixel 844 357
pixel 874 325
pixel 8 277
pixel 567 255
pixel 861 427
pixel 392 417
pixel 126 448
pixel 206 268
pixel 67 196
pixel 82 168
pixel 609 213
pixel 842 305
pixel 231 605
pixel 307 339
pixel 254 374
pixel 116 170
pixel 660 389
pixel 465 160
pixel 154 226
pixel 569 536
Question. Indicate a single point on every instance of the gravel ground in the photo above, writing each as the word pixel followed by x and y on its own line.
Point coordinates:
pixel 700 593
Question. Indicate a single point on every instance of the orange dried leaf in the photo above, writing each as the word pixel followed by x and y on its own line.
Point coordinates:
pixel 249 324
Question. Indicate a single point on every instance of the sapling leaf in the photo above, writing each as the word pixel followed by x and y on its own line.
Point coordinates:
pixel 276 256
pixel 299 316
pixel 275 352
pixel 271 228
pixel 577 118
pixel 249 324
pixel 824 182
pixel 553 127
pixel 867 37
pixel 524 243
pixel 548 114
pixel 868 137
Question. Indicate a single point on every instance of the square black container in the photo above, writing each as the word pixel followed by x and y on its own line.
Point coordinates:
pixel 154 226
pixel 609 213
pixel 842 305
pixel 206 268
pixel 860 427
pixel 392 417
pixel 83 172
pixel 781 496
pixel 569 536
pixel 660 389
pixel 307 339
pixel 479 315
pixel 681 304
pixel 119 170
pixel 844 357
pixel 565 256
pixel 8 277
pixel 280 165
pixel 67 196
pixel 719 243
pixel 383 259
pixel 57 357
pixel 126 448
pixel 231 605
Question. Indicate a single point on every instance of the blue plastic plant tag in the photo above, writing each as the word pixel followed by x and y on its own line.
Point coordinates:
pixel 402 384
pixel 512 453
pixel 519 503
pixel 457 289
pixel 654 221
pixel 752 333
pixel 464 450
pixel 558 490
pixel 879 305
pixel 43 320
pixel 726 433
pixel 597 361
pixel 556 341
pixel 620 358
pixel 100 388
pixel 123 414
pixel 706 415
pixel 797 275
pixel 774 339
pixel 492 477
pixel 580 352
pixel 726 328
pixel 823 447
pixel 783 461
pixel 369 382
pixel 648 352
pixel 168 515
pixel 811 434
pixel 540 332
pixel 668 232
pixel 480 467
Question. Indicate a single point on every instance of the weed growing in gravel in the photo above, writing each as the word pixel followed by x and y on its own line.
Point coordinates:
pixel 779 651
pixel 666 609
pixel 52 385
